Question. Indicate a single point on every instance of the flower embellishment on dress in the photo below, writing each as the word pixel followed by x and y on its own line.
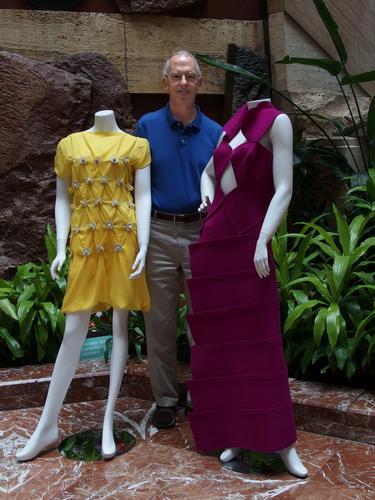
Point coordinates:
pixel 125 160
pixel 129 187
pixel 115 203
pixel 131 204
pixel 114 159
pixel 89 180
pixel 118 248
pixel 83 160
pixel 128 227
pixel 108 225
pixel 104 179
pixel 75 185
pixel 76 229
pixel 84 202
pixel 100 248
pixel 120 182
pixel 92 226
pixel 98 201
pixel 86 251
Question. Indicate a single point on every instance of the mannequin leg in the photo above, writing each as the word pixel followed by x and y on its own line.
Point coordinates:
pixel 292 462
pixel 119 359
pixel 229 454
pixel 46 432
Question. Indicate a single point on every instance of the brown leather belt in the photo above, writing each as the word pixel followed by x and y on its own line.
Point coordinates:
pixel 176 217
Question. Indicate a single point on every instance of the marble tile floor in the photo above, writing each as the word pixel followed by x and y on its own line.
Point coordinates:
pixel 164 464
pixel 343 412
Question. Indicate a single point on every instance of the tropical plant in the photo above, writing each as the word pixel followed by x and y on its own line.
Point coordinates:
pixel 327 284
pixel 320 178
pixel 336 68
pixel 86 445
pixel 183 346
pixel 136 333
pixel 31 322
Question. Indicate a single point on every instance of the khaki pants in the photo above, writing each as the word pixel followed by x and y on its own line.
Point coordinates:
pixel 167 269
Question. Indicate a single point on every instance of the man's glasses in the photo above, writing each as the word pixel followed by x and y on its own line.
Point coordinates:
pixel 189 77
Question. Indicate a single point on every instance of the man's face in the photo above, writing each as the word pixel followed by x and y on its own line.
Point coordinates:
pixel 182 82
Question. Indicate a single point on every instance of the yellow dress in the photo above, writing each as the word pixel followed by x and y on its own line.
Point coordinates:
pixel 103 237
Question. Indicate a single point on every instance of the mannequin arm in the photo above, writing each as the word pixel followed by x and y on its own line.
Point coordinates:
pixel 207 186
pixel 142 198
pixel 62 219
pixel 208 182
pixel 281 137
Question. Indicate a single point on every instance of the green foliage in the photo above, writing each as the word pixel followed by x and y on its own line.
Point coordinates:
pixel 136 333
pixel 320 177
pixel 337 68
pixel 86 445
pixel 327 286
pixel 261 463
pixel 183 346
pixel 333 67
pixel 31 322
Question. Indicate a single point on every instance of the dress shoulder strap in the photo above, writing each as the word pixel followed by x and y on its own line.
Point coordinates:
pixel 258 123
pixel 234 124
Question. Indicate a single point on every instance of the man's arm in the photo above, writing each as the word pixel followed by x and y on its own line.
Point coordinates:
pixel 140 130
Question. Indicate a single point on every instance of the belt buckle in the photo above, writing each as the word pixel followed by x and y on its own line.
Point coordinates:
pixel 175 218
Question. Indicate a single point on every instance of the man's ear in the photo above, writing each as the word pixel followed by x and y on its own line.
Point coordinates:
pixel 165 83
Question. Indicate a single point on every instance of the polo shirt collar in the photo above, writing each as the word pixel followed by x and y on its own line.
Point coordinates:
pixel 196 123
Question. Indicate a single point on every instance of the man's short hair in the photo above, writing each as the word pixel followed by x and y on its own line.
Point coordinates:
pixel 181 53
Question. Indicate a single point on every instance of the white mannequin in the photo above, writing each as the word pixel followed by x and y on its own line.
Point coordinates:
pixel 45 435
pixel 279 139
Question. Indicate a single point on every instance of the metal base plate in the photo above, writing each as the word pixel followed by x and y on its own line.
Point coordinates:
pixel 251 462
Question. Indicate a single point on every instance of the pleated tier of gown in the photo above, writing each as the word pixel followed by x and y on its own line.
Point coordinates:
pixel 239 385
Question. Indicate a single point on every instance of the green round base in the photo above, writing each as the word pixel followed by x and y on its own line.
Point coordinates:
pixel 250 462
pixel 86 445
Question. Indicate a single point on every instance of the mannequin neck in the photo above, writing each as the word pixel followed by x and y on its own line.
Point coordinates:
pixel 105 121
pixel 254 104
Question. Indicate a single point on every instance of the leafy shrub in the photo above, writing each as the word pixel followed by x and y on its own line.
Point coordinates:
pixel 137 333
pixel 327 285
pixel 31 322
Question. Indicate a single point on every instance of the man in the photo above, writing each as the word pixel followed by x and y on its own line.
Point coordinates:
pixel 182 140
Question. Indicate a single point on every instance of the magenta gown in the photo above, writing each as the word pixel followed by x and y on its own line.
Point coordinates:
pixel 239 385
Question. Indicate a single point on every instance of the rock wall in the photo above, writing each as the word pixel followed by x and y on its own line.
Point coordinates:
pixel 152 6
pixel 41 103
pixel 136 44
pixel 313 89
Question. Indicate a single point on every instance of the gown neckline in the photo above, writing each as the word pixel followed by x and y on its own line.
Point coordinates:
pixel 241 119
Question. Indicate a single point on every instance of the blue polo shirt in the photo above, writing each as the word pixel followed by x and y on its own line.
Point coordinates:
pixel 178 157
